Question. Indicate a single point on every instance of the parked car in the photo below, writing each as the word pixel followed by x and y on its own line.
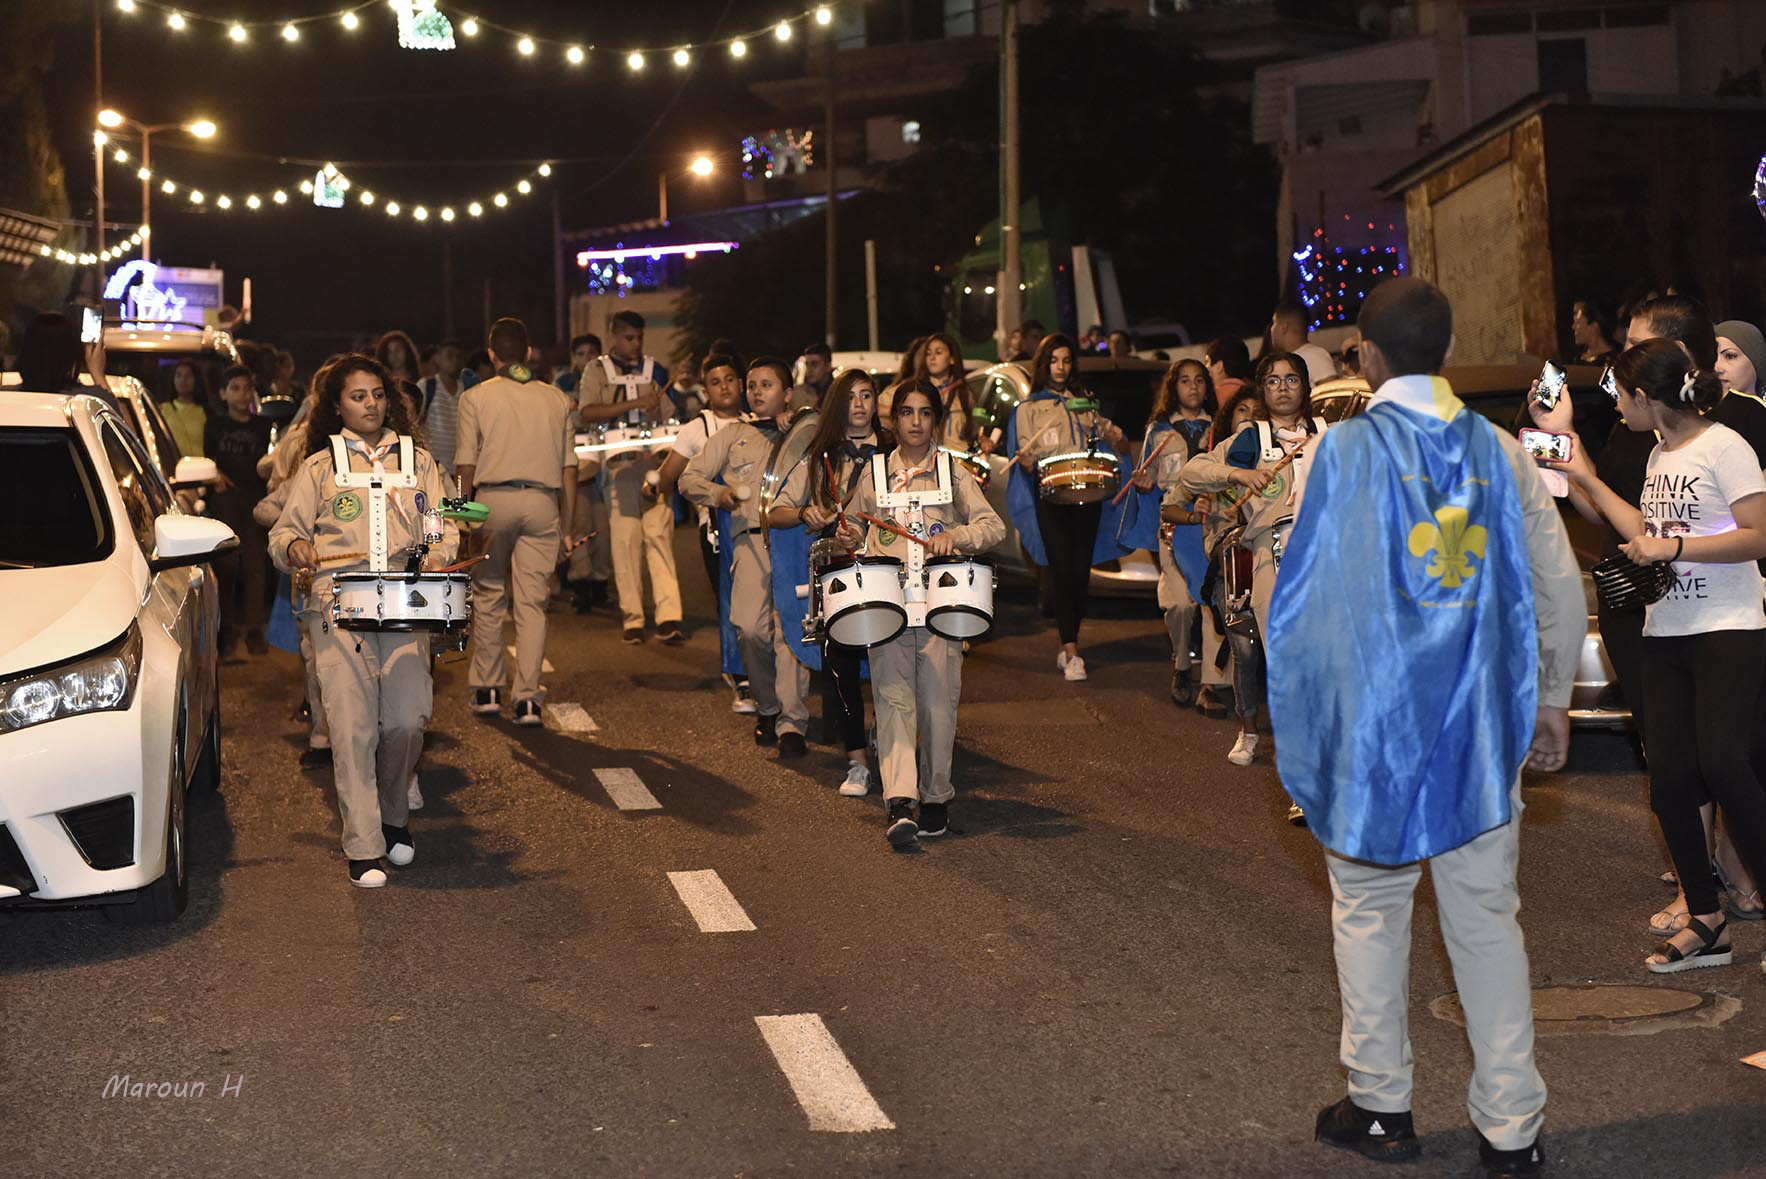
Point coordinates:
pixel 1125 390
pixel 1499 393
pixel 109 701
pixel 150 353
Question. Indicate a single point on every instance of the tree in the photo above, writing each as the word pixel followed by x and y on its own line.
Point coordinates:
pixel 31 176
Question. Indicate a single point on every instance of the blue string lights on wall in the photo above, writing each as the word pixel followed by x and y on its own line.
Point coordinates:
pixel 1334 280
pixel 776 153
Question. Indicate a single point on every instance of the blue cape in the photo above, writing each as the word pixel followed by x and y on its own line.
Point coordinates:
pixel 1403 655
pixel 790 553
pixel 283 629
pixel 1021 507
pixel 728 646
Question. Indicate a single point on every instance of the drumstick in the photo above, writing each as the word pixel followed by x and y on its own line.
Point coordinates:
pixel 1232 498
pixel 834 490
pixel 1145 463
pixel 888 527
pixel 461 566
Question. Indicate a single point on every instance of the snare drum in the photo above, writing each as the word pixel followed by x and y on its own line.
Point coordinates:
pixel 1078 477
pixel 959 596
pixel 862 603
pixel 1278 539
pixel 438 602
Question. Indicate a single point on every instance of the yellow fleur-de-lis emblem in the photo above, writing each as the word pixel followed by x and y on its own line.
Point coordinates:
pixel 1454 540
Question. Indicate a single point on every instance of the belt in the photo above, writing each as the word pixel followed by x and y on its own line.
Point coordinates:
pixel 516 485
pixel 746 531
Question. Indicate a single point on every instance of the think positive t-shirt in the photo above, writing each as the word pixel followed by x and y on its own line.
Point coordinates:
pixel 1688 492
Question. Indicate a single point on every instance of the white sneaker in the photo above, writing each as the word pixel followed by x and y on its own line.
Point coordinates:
pixel 413 796
pixel 318 740
pixel 1061 659
pixel 1244 750
pixel 858 781
pixel 743 704
pixel 1073 669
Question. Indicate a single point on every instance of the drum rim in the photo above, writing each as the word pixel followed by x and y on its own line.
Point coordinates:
pixel 360 576
pixel 899 611
pixel 405 626
pixel 957 608
pixel 857 560
pixel 959 559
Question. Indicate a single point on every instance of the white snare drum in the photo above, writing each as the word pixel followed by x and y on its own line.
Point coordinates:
pixel 401 601
pixel 959 596
pixel 1278 539
pixel 1078 477
pixel 862 601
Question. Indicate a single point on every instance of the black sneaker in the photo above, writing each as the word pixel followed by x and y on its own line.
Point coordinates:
pixel 486 701
pixel 527 713
pixel 765 730
pixel 1383 1137
pixel 792 745
pixel 314 759
pixel 1529 1160
pixel 400 848
pixel 934 819
pixel 671 633
pixel 1183 694
pixel 900 828
pixel 1209 703
pixel 632 635
pixel 367 874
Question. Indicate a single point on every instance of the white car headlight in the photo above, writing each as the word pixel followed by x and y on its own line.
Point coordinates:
pixel 99 682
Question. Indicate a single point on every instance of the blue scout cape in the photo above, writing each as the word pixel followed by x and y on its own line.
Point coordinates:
pixel 1021 507
pixel 283 629
pixel 1186 539
pixel 728 645
pixel 1403 656
pixel 790 553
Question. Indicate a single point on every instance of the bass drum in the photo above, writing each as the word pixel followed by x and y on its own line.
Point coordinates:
pixel 862 601
pixel 959 596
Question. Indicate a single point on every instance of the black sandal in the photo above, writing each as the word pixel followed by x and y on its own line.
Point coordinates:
pixel 1710 954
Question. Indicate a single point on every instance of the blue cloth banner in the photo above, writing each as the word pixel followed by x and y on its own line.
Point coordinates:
pixel 728 646
pixel 283 630
pixel 1403 657
pixel 790 553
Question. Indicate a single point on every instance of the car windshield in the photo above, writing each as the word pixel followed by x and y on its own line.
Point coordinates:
pixel 54 509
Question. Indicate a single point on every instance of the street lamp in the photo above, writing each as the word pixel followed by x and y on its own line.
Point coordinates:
pixel 198 128
pixel 700 167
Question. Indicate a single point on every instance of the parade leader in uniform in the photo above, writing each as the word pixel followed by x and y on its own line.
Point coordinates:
pixel 1423 641
pixel 516 453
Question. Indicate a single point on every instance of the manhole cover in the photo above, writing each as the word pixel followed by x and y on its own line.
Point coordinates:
pixel 1611 1010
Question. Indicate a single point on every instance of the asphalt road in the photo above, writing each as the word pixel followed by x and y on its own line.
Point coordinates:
pixel 1118 964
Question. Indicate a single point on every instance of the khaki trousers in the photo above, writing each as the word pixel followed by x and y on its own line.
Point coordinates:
pixel 1477 903
pixel 779 682
pixel 377 697
pixel 515 578
pixel 643 536
pixel 916 679
pixel 1179 607
pixel 592 561
pixel 1212 640
pixel 320 735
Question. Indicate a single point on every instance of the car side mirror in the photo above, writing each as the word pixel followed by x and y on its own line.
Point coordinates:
pixel 193 471
pixel 180 540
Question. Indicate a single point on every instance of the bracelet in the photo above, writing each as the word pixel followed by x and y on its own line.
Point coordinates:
pixel 1679 547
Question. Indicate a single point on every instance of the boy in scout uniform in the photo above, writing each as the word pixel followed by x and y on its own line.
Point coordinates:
pixel 625 388
pixel 516 454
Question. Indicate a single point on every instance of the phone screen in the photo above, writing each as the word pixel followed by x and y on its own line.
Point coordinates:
pixel 91 326
pixel 1543 444
pixel 1552 380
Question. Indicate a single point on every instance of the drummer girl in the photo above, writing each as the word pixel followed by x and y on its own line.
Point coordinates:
pixel 844 442
pixel 375 685
pixel 1262 469
pixel 917 677
pixel 1182 413
pixel 941 364
pixel 1058 418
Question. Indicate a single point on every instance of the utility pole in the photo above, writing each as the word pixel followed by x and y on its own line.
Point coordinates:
pixel 447 287
pixel 559 336
pixel 97 148
pixel 662 197
pixel 828 283
pixel 1007 302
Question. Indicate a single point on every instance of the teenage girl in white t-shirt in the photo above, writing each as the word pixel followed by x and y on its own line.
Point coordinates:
pixel 1704 643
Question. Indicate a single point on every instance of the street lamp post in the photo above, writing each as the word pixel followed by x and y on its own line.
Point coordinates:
pixel 200 128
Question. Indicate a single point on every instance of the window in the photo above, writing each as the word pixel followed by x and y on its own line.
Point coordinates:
pixel 1563 65
pixel 132 483
pixel 59 517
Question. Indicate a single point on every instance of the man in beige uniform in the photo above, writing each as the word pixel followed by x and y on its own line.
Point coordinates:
pixel 515 453
pixel 624 388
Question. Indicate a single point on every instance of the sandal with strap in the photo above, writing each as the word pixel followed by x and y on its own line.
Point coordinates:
pixel 1671 920
pixel 1709 954
pixel 1732 904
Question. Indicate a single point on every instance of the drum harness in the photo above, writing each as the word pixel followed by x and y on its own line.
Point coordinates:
pixel 911 504
pixel 381 485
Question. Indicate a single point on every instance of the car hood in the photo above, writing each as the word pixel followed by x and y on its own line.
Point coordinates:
pixel 62 612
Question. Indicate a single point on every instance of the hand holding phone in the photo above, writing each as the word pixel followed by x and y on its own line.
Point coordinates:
pixel 1548 446
pixel 1552 382
pixel 91 326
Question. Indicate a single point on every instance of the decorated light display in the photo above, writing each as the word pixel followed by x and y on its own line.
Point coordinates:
pixel 1334 280
pixel 422 25
pixel 777 153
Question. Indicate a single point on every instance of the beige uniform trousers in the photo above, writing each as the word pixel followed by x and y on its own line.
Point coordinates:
pixel 377 697
pixel 1477 903
pixel 779 682
pixel 320 736
pixel 592 561
pixel 1262 580
pixel 643 537
pixel 1179 607
pixel 515 578
pixel 916 679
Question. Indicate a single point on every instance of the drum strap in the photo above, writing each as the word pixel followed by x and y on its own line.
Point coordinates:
pixel 379 483
pixel 630 382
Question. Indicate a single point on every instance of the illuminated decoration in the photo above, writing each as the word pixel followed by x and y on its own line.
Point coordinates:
pixel 328 188
pixel 623 269
pixel 777 153
pixel 157 295
pixel 1333 280
pixel 1760 187
pixel 422 25
pixel 426 25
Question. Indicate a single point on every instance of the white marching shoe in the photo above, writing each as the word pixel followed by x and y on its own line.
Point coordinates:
pixel 1244 750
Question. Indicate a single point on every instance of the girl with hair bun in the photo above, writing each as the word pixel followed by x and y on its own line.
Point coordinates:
pixel 1703 509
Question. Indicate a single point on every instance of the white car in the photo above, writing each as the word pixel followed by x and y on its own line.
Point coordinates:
pixel 109 705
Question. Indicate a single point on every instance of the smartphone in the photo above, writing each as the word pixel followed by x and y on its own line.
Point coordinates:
pixel 1543 444
pixel 1610 384
pixel 91 326
pixel 1552 381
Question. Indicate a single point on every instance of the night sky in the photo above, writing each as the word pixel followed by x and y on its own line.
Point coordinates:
pixel 435 127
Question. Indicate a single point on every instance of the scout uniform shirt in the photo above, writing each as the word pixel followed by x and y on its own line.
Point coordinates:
pixel 1036 416
pixel 851 464
pixel 513 431
pixel 336 519
pixel 738 453
pixel 607 381
pixel 974 527
pixel 1261 511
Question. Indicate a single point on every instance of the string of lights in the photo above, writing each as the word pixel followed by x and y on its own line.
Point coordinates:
pixel 330 188
pixel 1333 280
pixel 429 25
pixel 75 258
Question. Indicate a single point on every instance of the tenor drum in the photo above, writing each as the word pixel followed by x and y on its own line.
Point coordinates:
pixel 959 596
pixel 438 602
pixel 1078 477
pixel 862 601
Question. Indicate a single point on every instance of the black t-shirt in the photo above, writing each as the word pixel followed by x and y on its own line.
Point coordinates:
pixel 236 448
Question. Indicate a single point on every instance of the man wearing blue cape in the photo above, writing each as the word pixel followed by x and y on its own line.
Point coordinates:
pixel 1423 641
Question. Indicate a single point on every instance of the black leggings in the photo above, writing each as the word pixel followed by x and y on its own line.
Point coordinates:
pixel 1699 696
pixel 843 695
pixel 1069 531
pixel 1621 633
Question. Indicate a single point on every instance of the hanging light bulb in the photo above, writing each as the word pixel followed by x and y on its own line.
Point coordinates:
pixel 168 188
pixel 280 197
pixel 125 5
pixel 121 156
pixel 525 46
pixel 545 169
pixel 635 60
pixel 469 27
pixel 447 214
pixel 420 213
pixel 175 22
pixel 237 32
pixel 350 21
pixel 823 16
pixel 738 48
pixel 196 196
pixel 523 187
pixel 367 197
pixel 290 33
pixel 783 30
pixel 252 201
pixel 143 174
pixel 392 208
pixel 682 57
pixel 306 188
pixel 501 200
pixel 575 55
pixel 476 209
pixel 223 201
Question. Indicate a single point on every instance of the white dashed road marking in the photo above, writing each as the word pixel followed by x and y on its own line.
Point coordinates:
pixel 546 667
pixel 710 901
pixel 627 790
pixel 827 1086
pixel 571 718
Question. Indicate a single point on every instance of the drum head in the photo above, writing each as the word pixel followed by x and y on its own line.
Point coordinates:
pixel 959 623
pixel 867 624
